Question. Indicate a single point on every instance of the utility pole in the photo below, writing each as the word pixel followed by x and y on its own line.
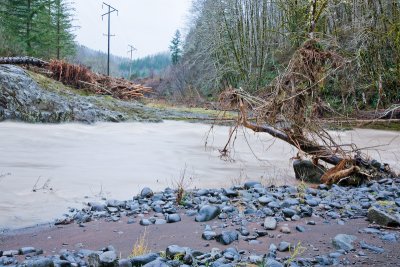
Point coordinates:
pixel 132 48
pixel 110 10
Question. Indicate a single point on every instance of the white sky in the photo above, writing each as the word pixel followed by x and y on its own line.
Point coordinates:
pixel 148 25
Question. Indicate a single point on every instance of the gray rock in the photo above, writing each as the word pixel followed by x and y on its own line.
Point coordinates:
pixel 172 218
pixel 10 253
pixel 227 237
pixel 283 246
pixel 265 200
pixel 108 259
pixel 230 193
pixel 301 229
pixel 174 250
pixel 312 202
pixel 157 263
pixel 270 223
pixel 146 192
pixel 145 222
pixel 26 250
pixel 288 212
pixel 274 205
pixel 268 211
pixel 306 171
pixel 255 259
pixel 40 262
pixel 207 213
pixel 251 184
pixel 209 235
pixel 382 218
pixel 124 263
pixel 389 238
pixel 370 247
pixel 270 262
pixel 343 241
pixel 95 206
pixel 143 259
pixel 160 221
pixel 285 229
pixel 94 259
pixel 202 192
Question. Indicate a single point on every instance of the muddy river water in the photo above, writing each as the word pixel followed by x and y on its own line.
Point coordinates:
pixel 44 169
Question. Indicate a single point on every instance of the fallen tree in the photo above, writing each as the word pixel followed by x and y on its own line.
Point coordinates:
pixel 81 77
pixel 290 112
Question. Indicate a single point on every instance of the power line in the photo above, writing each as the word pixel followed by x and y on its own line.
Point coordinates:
pixel 132 48
pixel 110 10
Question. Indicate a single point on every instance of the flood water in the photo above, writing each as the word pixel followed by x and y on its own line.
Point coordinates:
pixel 69 164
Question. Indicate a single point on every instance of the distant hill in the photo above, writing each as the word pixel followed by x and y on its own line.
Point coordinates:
pixel 148 66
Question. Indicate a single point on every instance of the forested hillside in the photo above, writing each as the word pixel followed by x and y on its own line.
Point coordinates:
pixel 248 43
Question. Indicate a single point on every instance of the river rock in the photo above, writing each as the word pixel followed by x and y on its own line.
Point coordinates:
pixel 145 222
pixel 270 262
pixel 270 223
pixel 264 200
pixel 288 212
pixel 383 218
pixel 373 248
pixel 207 213
pixel 108 259
pixel 124 263
pixel 227 237
pixel 143 259
pixel 157 263
pixel 146 192
pixel 40 262
pixel 343 241
pixel 26 250
pixel 283 246
pixel 174 250
pixel 252 184
pixel 172 218
pixel 306 171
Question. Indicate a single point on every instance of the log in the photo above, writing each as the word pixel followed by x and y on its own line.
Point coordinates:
pixel 24 61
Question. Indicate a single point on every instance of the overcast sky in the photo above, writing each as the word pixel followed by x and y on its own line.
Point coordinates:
pixel 148 25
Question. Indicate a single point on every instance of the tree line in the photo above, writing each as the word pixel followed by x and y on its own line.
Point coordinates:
pixel 39 28
pixel 248 43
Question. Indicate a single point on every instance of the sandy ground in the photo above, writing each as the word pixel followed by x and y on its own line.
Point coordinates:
pixel 87 162
pixel 97 234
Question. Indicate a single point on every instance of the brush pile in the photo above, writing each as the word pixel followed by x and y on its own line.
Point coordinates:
pixel 82 78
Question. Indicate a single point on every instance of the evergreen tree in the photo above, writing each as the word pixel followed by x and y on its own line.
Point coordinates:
pixel 175 47
pixel 40 28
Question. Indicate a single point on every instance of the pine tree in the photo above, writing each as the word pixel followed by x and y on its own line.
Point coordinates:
pixel 175 47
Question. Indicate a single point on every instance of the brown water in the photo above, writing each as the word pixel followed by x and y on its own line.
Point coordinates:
pixel 83 163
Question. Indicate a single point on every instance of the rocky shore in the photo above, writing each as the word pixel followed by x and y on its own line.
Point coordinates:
pixel 237 226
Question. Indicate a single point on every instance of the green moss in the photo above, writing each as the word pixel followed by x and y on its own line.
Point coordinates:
pixel 55 86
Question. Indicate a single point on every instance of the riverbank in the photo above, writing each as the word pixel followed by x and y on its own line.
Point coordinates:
pixel 247 224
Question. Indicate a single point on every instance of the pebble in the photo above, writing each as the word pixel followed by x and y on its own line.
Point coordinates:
pixel 270 223
pixel 283 246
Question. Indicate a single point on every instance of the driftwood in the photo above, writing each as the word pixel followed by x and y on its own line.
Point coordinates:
pixel 288 110
pixel 81 77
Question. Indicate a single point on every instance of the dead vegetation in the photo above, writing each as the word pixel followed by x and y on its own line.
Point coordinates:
pixel 83 78
pixel 291 109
